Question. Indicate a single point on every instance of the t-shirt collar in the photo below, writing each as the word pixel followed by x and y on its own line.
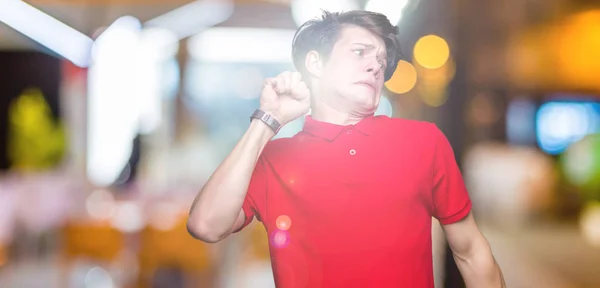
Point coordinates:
pixel 330 131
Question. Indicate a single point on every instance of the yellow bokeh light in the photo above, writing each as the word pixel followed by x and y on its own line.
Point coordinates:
pixel 432 95
pixel 404 78
pixel 439 76
pixel 431 51
pixel 577 49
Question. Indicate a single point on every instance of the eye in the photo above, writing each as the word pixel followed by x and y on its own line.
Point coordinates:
pixel 358 52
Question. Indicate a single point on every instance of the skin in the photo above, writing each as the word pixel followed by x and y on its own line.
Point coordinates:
pixel 345 88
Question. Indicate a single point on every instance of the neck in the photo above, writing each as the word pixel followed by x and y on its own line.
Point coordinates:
pixel 323 112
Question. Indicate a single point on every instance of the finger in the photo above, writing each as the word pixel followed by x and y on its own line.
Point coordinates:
pixel 296 79
pixel 301 91
pixel 287 81
pixel 279 85
pixel 270 82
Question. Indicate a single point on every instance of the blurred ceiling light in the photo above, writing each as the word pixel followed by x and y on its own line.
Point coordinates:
pixel 404 78
pixel 124 30
pixel 192 18
pixel 431 51
pixel 304 10
pixel 392 9
pixel 242 45
pixel 49 32
pixel 113 116
pixel 158 43
pixel 125 91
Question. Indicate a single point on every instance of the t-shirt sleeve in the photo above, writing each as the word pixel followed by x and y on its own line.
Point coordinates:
pixel 451 201
pixel 256 196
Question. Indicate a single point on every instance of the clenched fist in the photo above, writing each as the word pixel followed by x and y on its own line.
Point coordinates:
pixel 285 97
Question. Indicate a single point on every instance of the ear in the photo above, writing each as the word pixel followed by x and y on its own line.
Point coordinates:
pixel 314 64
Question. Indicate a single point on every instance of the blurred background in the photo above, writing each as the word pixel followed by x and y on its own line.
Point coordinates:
pixel 114 113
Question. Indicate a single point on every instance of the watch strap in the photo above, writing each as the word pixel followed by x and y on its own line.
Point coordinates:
pixel 267 119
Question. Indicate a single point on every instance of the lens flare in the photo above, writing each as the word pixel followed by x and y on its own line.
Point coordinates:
pixel 280 239
pixel 283 222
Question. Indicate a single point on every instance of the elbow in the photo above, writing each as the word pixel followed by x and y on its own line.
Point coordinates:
pixel 202 231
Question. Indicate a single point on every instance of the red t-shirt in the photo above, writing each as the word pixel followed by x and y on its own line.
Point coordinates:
pixel 352 206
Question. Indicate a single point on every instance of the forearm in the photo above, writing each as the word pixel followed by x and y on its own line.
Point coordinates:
pixel 217 205
pixel 479 268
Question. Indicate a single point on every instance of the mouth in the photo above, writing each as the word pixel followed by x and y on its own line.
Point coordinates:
pixel 366 84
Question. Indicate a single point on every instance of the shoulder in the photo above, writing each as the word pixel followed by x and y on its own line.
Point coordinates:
pixel 414 129
pixel 276 147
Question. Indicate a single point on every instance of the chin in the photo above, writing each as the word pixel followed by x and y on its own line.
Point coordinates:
pixel 367 100
pixel 367 107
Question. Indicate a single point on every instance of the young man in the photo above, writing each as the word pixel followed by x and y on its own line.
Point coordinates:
pixel 347 202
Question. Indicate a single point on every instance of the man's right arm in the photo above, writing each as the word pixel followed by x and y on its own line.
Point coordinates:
pixel 217 210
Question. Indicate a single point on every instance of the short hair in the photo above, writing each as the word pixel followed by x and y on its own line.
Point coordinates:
pixel 321 34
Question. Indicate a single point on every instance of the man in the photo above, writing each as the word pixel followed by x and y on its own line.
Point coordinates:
pixel 349 201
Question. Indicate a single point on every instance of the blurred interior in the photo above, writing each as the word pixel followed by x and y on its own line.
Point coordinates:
pixel 114 113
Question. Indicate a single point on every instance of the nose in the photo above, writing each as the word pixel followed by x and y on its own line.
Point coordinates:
pixel 374 67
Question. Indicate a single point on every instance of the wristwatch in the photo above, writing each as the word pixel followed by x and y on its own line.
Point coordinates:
pixel 267 119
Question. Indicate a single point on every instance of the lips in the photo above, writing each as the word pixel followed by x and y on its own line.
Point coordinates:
pixel 366 84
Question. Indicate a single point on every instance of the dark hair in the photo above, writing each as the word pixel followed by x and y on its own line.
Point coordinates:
pixel 320 34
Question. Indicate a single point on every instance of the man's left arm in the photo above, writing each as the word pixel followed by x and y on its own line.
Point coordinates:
pixel 473 254
pixel 451 205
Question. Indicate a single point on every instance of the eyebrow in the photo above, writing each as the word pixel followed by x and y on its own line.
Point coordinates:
pixel 371 46
pixel 363 44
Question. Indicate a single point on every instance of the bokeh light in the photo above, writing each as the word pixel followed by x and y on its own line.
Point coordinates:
pixel 483 111
pixel 576 49
pixel 100 204
pixel 433 82
pixel 404 78
pixel 280 239
pixel 431 51
pixel 385 107
pixel 283 222
pixel 581 165
pixel 391 9
pixel 98 277
pixel 590 223
pixel 559 124
pixel 434 96
pixel 164 216
pixel 128 217
pixel 520 121
pixel 436 76
pixel 2 255
pixel 249 82
pixel 304 10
